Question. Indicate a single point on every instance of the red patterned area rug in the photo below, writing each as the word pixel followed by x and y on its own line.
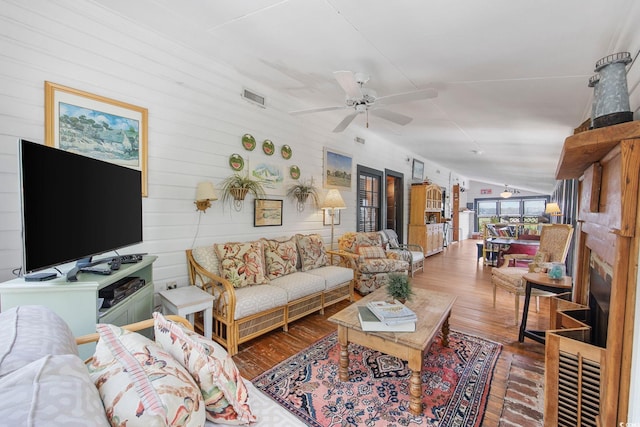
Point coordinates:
pixel 455 384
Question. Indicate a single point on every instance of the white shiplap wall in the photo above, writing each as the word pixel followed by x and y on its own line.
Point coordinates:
pixel 196 120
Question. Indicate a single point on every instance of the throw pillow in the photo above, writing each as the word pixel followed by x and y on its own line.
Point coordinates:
pixel 280 256
pixel 312 253
pixel 242 264
pixel 538 259
pixel 140 384
pixel 53 391
pixel 225 394
pixel 371 252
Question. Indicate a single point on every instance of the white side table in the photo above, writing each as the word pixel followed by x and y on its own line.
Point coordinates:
pixel 187 300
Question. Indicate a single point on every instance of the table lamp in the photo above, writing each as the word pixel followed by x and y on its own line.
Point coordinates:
pixel 333 201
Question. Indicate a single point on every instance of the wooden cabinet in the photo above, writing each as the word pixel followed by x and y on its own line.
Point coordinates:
pixel 77 302
pixel 425 228
pixel 429 236
pixel 435 238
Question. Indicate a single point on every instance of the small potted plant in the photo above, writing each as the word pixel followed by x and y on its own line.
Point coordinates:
pixel 237 187
pixel 301 191
pixel 399 287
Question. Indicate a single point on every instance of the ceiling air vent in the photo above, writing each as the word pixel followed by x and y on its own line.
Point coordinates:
pixel 254 97
pixel 359 140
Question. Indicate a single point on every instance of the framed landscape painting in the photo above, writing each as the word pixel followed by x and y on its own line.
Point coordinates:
pixel 417 170
pixel 97 127
pixel 337 169
pixel 267 212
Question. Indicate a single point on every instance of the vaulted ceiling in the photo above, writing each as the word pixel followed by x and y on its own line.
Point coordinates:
pixel 511 76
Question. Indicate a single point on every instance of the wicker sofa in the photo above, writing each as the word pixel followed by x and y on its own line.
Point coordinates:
pixel 254 297
pixel 370 262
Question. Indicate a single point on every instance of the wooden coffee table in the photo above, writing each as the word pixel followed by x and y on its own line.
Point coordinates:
pixel 433 310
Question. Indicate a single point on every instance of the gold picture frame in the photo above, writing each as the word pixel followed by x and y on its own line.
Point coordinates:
pixel 267 212
pixel 338 169
pixel 97 127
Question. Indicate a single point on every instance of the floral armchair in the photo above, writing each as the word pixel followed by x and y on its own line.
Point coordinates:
pixel 370 262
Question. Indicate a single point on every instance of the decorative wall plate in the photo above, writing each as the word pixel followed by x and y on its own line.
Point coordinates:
pixel 248 142
pixel 286 152
pixel 294 172
pixel 236 162
pixel 268 147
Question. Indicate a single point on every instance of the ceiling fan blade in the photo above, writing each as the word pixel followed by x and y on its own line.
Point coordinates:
pixel 318 110
pixel 407 97
pixel 397 118
pixel 347 80
pixel 345 122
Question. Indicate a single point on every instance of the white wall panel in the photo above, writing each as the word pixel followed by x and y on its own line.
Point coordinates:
pixel 196 120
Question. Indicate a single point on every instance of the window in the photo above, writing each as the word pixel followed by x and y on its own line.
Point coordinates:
pixel 522 210
pixel 369 198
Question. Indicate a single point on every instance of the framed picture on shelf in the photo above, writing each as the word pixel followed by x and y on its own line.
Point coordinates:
pixel 267 212
pixel 417 171
pixel 337 169
pixel 326 220
pixel 97 127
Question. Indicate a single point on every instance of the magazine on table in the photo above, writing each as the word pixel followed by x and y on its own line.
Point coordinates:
pixel 392 312
pixel 370 323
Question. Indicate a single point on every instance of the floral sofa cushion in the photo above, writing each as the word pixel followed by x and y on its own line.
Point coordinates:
pixel 242 264
pixel 223 389
pixel 281 257
pixel 382 265
pixel 312 253
pixel 141 384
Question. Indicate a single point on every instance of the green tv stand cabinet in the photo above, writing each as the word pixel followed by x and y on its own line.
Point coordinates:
pixel 77 302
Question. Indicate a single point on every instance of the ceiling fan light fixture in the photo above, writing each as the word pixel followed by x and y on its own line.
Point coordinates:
pixel 363 100
pixel 506 194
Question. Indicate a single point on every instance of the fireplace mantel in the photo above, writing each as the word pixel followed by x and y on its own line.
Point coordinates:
pixel 607 163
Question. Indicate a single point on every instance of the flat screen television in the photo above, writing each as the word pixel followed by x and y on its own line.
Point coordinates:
pixel 75 207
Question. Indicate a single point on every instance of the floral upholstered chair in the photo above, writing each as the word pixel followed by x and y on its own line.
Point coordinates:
pixel 555 240
pixel 370 262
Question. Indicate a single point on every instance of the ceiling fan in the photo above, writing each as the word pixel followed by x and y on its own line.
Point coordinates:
pixel 364 100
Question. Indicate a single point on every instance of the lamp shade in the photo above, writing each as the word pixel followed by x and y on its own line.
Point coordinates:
pixel 506 194
pixel 205 191
pixel 333 200
pixel 552 209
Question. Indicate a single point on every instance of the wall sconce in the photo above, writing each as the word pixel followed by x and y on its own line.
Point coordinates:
pixel 205 193
pixel 553 209
pixel 333 201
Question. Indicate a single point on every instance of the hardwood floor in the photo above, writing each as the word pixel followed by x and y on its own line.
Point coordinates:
pixel 456 271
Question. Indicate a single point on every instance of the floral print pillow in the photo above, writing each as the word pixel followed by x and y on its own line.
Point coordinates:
pixel 280 256
pixel 141 384
pixel 225 394
pixel 312 253
pixel 242 264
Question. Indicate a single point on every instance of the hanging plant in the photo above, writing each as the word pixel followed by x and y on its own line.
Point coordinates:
pixel 300 193
pixel 236 187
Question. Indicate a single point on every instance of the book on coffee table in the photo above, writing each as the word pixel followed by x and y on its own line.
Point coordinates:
pixel 370 323
pixel 392 312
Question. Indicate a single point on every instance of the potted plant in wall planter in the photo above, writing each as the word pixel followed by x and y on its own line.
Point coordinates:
pixel 399 287
pixel 301 191
pixel 236 187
